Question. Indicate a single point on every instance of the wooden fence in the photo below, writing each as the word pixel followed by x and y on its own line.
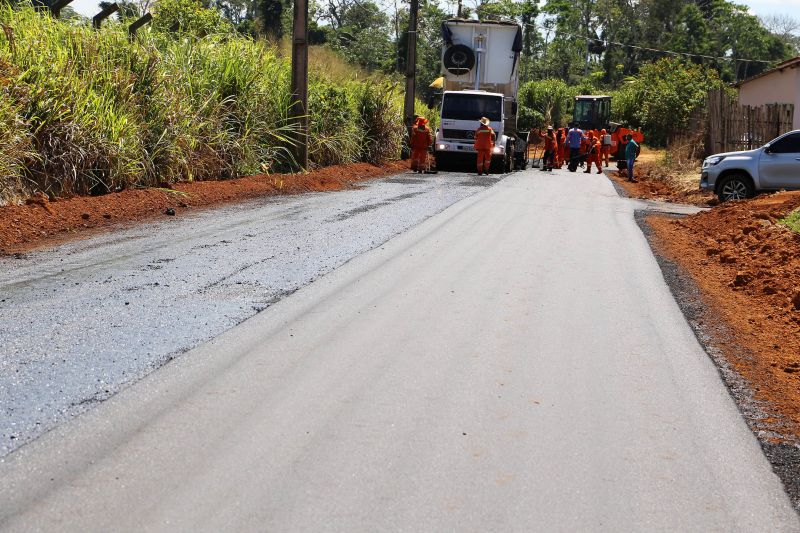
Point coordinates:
pixel 731 127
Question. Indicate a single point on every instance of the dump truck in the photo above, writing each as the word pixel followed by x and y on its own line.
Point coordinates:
pixel 480 63
pixel 594 113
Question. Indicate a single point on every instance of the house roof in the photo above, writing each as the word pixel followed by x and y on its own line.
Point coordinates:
pixel 780 67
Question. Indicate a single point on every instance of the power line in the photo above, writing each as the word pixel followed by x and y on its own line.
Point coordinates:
pixel 648 49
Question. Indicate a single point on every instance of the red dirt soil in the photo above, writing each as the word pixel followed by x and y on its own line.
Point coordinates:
pixel 651 185
pixel 42 222
pixel 748 269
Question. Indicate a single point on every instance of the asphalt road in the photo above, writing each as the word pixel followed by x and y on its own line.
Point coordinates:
pixel 80 322
pixel 514 363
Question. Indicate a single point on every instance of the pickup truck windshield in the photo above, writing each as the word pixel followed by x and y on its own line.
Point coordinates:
pixel 472 107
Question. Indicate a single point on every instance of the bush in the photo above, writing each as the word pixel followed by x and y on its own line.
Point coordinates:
pixel 86 112
pixel 663 97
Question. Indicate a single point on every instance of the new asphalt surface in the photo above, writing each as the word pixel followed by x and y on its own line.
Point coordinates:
pixel 514 363
pixel 80 322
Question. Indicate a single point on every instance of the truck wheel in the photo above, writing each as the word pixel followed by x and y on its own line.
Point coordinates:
pixel 735 187
pixel 441 161
pixel 498 165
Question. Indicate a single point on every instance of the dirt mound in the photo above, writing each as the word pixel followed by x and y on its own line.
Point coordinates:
pixel 45 222
pixel 657 182
pixel 747 264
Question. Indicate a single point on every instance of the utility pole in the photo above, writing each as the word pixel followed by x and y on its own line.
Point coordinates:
pixel 411 66
pixel 299 109
pixel 458 13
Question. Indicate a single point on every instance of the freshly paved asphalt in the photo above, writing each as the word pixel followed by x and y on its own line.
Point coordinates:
pixel 514 363
pixel 82 321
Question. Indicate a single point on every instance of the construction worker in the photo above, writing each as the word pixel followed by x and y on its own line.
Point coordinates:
pixel 631 153
pixel 550 145
pixel 559 147
pixel 584 147
pixel 484 144
pixel 421 140
pixel 574 141
pixel 605 146
pixel 593 153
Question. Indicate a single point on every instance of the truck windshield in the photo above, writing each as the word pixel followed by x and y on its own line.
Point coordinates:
pixel 472 107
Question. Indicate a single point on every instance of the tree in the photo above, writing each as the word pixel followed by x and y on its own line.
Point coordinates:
pixel 784 27
pixel 662 98
pixel 543 102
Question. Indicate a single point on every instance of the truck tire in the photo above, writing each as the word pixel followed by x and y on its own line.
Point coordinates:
pixel 459 59
pixel 441 161
pixel 520 161
pixel 498 165
pixel 737 186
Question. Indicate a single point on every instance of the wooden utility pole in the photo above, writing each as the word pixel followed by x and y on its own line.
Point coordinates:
pixel 411 66
pixel 299 110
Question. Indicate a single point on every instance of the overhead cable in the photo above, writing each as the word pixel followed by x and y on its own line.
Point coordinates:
pixel 648 49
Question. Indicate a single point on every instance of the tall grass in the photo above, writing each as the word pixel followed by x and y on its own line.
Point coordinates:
pixel 87 112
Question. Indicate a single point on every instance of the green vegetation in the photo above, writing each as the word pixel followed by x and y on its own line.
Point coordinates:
pixel 792 220
pixel 88 112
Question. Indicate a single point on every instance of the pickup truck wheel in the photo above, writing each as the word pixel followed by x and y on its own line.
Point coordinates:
pixel 735 187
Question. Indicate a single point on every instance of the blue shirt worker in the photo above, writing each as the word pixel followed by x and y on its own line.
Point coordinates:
pixel 631 153
pixel 574 139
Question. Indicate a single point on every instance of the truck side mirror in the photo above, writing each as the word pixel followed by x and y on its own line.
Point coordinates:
pixel 431 102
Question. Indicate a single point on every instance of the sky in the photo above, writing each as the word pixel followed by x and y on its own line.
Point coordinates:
pixel 773 7
pixel 759 7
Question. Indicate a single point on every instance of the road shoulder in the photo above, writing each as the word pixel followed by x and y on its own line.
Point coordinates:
pixel 779 443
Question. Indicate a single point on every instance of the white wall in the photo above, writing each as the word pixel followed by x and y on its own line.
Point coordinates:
pixel 780 87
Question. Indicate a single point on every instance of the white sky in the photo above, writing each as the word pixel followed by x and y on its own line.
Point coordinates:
pixel 759 7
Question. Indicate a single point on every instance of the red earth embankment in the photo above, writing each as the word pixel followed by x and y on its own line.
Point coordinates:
pixel 43 222
pixel 747 265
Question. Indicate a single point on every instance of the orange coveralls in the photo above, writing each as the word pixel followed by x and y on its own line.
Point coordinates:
pixel 484 143
pixel 594 154
pixel 550 150
pixel 605 150
pixel 421 139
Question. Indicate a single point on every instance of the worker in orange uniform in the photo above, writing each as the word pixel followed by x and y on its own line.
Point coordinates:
pixel 605 147
pixel 550 145
pixel 484 144
pixel 593 153
pixel 421 139
pixel 560 147
pixel 585 147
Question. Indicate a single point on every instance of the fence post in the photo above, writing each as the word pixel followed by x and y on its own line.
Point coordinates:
pixel 98 19
pixel 133 28
pixel 57 6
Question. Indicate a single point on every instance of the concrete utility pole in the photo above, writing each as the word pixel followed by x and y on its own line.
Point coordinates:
pixel 299 110
pixel 411 65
